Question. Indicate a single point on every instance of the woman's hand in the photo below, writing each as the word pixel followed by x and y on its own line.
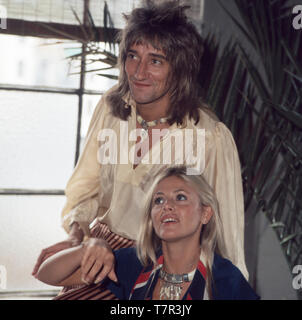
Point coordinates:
pixel 98 261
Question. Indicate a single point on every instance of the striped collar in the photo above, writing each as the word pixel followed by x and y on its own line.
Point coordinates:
pixel 146 281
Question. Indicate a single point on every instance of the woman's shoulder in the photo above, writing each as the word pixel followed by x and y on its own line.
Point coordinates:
pixel 223 268
pixel 127 262
pixel 127 269
pixel 126 254
pixel 229 282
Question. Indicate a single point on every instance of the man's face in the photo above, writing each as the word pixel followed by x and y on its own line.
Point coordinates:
pixel 148 74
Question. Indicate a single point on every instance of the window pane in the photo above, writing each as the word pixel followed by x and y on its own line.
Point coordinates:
pixel 116 9
pixel 93 80
pixel 37 139
pixel 101 83
pixel 28 224
pixel 60 10
pixel 89 104
pixel 46 10
pixel 36 61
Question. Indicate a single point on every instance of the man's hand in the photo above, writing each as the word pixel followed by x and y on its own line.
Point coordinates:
pixel 97 262
pixel 75 238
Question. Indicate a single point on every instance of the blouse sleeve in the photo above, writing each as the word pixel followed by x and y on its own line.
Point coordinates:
pixel 223 173
pixel 83 187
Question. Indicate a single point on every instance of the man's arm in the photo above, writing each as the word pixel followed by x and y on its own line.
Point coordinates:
pixel 84 187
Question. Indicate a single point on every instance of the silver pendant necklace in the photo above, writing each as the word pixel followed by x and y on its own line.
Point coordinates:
pixel 171 284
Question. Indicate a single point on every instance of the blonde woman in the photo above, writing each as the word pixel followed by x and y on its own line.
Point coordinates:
pixel 176 255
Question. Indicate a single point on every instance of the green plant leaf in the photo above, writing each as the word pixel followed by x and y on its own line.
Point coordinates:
pixel 108 76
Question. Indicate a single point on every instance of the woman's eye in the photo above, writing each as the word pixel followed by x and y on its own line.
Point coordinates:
pixel 181 197
pixel 159 200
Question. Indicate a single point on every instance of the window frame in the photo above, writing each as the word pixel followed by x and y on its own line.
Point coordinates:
pixel 57 31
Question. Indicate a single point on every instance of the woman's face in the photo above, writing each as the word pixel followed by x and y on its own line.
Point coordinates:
pixel 177 213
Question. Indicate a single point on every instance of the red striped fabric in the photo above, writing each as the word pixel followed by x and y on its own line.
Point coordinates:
pixel 96 291
pixel 144 276
pixel 202 269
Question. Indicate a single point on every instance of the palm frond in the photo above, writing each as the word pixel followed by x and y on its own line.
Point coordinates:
pixel 270 143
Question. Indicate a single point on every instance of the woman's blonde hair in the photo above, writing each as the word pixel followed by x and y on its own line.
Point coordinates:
pixel 211 238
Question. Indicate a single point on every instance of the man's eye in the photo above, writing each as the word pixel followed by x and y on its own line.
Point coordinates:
pixel 159 200
pixel 181 197
pixel 156 62
pixel 131 56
